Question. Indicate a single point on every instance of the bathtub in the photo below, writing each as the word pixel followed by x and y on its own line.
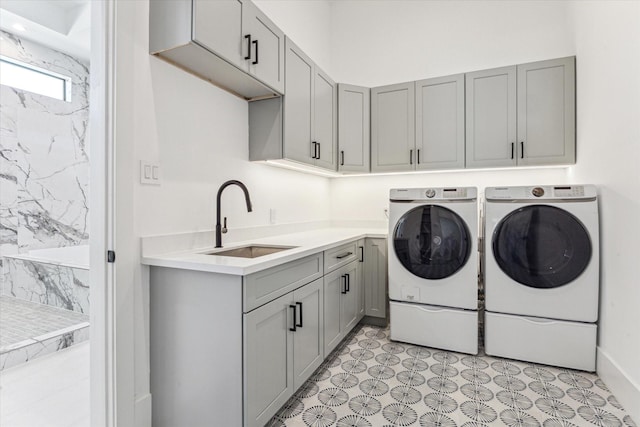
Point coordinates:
pixel 57 276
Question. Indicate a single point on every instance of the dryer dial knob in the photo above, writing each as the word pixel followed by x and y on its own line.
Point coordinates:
pixel 538 191
pixel 430 193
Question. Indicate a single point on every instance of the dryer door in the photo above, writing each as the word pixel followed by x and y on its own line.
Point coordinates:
pixel 541 246
pixel 432 242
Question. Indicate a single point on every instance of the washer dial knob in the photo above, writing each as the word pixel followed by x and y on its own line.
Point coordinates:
pixel 538 191
pixel 430 193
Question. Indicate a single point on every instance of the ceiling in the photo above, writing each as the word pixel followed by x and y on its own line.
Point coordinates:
pixel 64 25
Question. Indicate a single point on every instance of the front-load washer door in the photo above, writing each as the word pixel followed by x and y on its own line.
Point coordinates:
pixel 432 242
pixel 541 246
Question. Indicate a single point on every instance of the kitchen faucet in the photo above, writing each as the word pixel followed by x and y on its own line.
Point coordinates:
pixel 219 229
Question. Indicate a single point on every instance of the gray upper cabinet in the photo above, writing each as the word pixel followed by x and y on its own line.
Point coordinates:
pixel 301 126
pixel 230 43
pixel 310 111
pixel 440 123
pixel 353 128
pixel 522 115
pixel 546 112
pixel 264 46
pixel 393 128
pixel 491 117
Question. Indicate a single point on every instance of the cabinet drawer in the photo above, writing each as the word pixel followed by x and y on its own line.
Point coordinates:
pixel 339 256
pixel 269 284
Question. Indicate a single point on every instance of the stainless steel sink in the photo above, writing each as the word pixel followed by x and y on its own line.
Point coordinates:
pixel 253 251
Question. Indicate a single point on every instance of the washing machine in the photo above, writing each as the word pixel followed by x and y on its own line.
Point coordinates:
pixel 542 267
pixel 433 267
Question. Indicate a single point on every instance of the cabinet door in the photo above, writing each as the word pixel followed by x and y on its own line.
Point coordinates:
pixel 440 123
pixel 266 55
pixel 349 298
pixel 298 105
pixel 361 290
pixel 375 277
pixel 546 112
pixel 393 128
pixel 325 119
pixel 491 117
pixel 217 26
pixel 334 284
pixel 354 107
pixel 268 355
pixel 308 351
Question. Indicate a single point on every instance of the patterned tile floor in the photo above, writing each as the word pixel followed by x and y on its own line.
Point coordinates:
pixel 370 381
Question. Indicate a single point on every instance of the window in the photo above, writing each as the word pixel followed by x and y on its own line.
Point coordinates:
pixel 33 79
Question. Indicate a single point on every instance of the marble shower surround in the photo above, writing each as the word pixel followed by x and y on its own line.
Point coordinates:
pixel 44 157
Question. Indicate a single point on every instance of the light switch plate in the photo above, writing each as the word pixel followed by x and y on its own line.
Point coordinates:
pixel 149 172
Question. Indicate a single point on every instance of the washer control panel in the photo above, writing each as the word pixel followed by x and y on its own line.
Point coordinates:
pixel 541 192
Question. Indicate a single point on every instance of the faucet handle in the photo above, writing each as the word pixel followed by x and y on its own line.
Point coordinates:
pixel 224 226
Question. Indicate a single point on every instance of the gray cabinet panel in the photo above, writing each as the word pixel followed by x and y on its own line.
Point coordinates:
pixel 266 55
pixel 375 277
pixel 268 353
pixel 393 127
pixel 440 123
pixel 298 105
pixel 340 255
pixel 217 25
pixel 333 286
pixel 354 107
pixel 361 269
pixel 490 118
pixel 264 286
pixel 325 119
pixel 308 340
pixel 546 112
pixel 349 299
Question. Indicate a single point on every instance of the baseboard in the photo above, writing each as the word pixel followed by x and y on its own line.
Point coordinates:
pixel 143 411
pixel 623 388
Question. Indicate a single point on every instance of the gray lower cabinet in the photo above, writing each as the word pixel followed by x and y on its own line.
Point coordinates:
pixel 283 346
pixel 341 302
pixel 521 115
pixel 375 278
pixel 353 128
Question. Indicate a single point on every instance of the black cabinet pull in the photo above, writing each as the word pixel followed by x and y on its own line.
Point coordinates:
pixel 348 282
pixel 361 253
pixel 410 157
pixel 299 304
pixel 248 37
pixel 344 289
pixel 344 255
pixel 418 156
pixel 294 318
pixel 256 60
pixel 522 149
pixel 319 155
pixel 512 147
pixel 314 150
pixel 341 158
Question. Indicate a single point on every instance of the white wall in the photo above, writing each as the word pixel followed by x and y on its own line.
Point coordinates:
pixel 199 135
pixel 382 42
pixel 608 128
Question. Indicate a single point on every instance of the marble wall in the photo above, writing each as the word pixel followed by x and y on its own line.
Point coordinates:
pixel 44 157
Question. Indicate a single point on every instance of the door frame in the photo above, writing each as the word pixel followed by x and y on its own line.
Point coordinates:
pixel 102 226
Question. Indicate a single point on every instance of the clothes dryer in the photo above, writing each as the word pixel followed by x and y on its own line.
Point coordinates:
pixel 542 274
pixel 433 267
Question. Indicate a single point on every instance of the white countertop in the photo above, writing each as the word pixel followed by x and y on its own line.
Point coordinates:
pixel 306 243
